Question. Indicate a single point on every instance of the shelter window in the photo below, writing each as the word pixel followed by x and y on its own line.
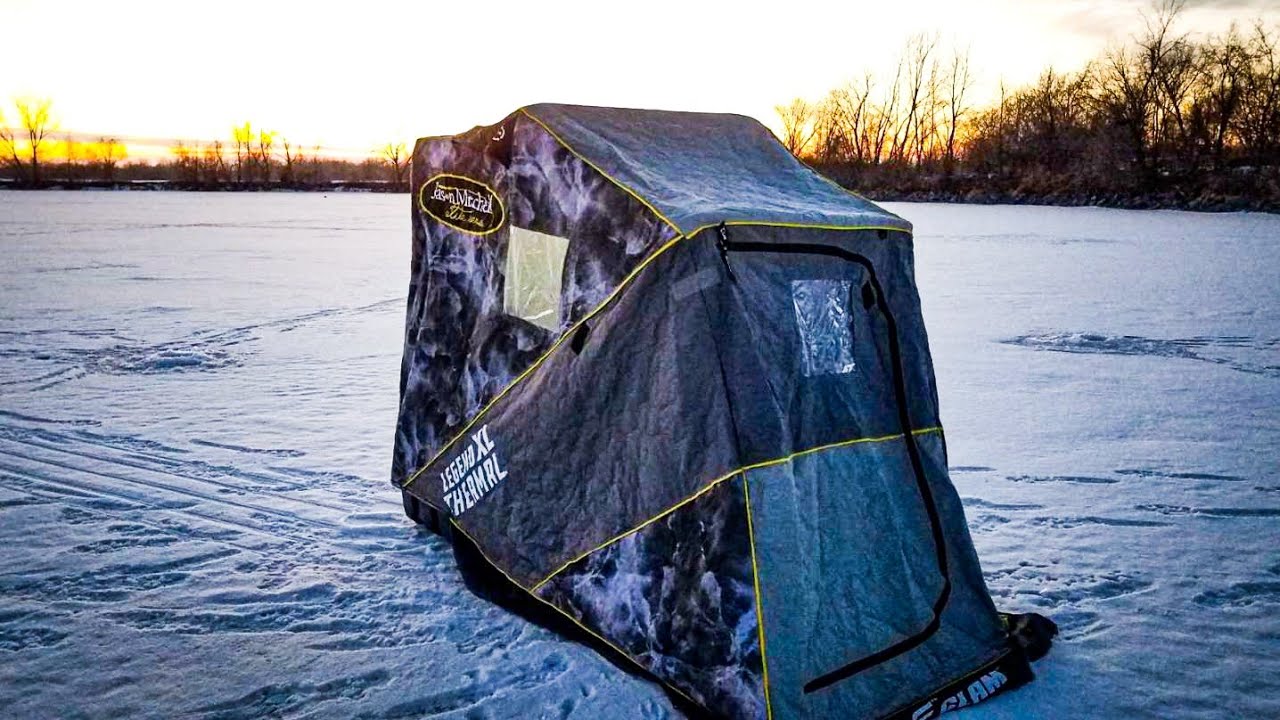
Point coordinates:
pixel 535 267
pixel 825 324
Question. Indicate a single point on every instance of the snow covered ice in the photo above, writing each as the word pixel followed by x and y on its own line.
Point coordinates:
pixel 197 397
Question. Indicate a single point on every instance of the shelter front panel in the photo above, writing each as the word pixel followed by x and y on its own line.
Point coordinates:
pixel 859 530
pixel 845 572
pixel 802 319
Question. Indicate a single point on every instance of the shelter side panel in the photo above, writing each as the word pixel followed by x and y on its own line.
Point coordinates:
pixel 678 597
pixel 609 433
pixel 515 240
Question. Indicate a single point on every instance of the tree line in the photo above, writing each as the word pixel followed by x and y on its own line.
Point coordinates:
pixel 1167 119
pixel 260 156
pixel 35 154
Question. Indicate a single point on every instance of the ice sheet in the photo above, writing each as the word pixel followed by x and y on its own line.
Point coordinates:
pixel 197 395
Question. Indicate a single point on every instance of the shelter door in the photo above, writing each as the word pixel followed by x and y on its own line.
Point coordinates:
pixel 852 561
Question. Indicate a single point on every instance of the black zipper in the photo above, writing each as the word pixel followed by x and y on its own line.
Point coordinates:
pixel 848 670
pixel 722 244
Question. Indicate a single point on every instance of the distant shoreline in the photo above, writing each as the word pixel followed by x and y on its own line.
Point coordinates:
pixel 1148 201
pixel 376 186
pixel 1151 201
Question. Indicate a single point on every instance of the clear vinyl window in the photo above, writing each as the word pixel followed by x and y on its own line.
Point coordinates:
pixel 824 322
pixel 535 268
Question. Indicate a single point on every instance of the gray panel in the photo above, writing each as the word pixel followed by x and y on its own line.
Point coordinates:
pixel 847 567
pixel 703 168
pixel 779 409
pixel 832 407
pixel 846 560
pixel 678 597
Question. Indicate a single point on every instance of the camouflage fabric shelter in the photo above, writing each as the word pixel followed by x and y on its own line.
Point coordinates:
pixel 675 385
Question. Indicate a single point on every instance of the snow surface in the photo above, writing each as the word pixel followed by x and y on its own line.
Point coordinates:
pixel 197 395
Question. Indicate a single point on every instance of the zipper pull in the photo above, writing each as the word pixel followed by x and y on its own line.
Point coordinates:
pixel 722 244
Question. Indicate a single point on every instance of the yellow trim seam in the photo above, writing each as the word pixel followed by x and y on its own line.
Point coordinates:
pixel 596 311
pixel 709 486
pixel 810 168
pixel 801 226
pixel 755 579
pixel 598 169
pixel 571 618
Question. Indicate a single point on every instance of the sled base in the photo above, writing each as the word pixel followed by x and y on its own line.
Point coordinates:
pixel 423 514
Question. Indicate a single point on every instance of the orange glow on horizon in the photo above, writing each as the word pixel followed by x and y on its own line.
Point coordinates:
pixel 150 73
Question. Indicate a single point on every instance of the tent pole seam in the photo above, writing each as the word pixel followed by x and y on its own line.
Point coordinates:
pixel 755 579
pixel 724 379
pixel 716 482
pixel 800 226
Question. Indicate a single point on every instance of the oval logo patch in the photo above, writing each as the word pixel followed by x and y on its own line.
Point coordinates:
pixel 462 203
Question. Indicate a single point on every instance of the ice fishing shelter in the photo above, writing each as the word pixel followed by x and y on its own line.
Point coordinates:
pixel 675 385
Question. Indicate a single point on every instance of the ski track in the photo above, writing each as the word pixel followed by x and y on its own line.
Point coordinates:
pixel 138 498
pixel 181 525
pixel 1204 349
pixel 165 559
pixel 202 350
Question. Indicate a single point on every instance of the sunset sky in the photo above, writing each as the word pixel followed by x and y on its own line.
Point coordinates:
pixel 353 76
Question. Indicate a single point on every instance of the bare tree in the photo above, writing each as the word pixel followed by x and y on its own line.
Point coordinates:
pixel 314 165
pixel 1136 85
pixel 797 125
pixel 837 121
pixel 292 159
pixel 186 161
pixel 9 147
pixel 70 157
pixel 1225 68
pixel 37 123
pixel 959 81
pixel 213 163
pixel 908 135
pixel 855 104
pixel 242 136
pixel 107 153
pixel 397 159
pixel 264 155
pixel 1258 120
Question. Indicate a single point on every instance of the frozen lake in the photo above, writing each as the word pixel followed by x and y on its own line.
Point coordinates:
pixel 197 398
